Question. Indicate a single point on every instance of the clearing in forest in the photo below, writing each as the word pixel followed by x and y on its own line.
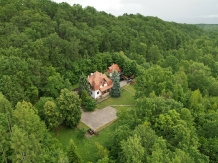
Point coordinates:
pixel 98 118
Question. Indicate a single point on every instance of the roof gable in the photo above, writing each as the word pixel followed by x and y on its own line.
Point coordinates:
pixel 97 79
pixel 114 67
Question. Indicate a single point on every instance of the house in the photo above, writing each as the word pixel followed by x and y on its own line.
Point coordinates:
pixel 99 84
pixel 113 67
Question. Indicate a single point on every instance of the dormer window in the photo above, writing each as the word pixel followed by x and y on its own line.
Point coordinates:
pixel 103 82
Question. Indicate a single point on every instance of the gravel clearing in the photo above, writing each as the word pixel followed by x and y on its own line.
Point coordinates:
pixel 99 117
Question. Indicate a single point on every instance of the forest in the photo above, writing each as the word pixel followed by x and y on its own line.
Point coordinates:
pixel 45 47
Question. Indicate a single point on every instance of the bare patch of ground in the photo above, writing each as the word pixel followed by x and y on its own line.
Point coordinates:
pixel 98 118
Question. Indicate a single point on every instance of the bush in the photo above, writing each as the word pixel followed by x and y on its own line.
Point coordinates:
pixel 81 133
pixel 89 104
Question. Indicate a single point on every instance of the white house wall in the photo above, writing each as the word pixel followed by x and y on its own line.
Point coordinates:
pixel 95 94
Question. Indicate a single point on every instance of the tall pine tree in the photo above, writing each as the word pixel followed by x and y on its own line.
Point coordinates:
pixel 72 154
pixel 83 84
pixel 115 90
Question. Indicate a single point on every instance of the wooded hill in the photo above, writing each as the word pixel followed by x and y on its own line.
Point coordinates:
pixel 46 46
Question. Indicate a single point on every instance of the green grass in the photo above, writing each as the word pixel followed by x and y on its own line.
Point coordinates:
pixel 123 108
pixel 125 99
pixel 130 88
pixel 85 146
pixel 82 125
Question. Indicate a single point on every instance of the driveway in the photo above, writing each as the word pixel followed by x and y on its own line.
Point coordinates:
pixel 123 83
pixel 99 117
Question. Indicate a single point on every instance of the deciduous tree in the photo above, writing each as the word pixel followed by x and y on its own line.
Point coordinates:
pixel 69 105
pixel 53 117
pixel 132 150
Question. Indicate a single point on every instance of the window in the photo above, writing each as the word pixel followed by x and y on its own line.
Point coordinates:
pixel 97 92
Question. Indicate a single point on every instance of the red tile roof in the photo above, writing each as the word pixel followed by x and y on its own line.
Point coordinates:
pixel 97 79
pixel 105 88
pixel 114 67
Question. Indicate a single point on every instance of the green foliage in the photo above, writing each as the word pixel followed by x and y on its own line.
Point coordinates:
pixel 103 160
pixel 115 90
pixel 6 109
pixel 154 79
pixel 25 138
pixel 132 150
pixel 171 61
pixel 199 77
pixel 26 118
pixel 53 118
pixel 213 88
pixel 154 55
pixel 160 153
pixel 120 133
pixel 40 106
pixel 181 156
pixel 87 101
pixel 148 109
pixel 25 147
pixel 209 148
pixel 4 141
pixel 84 95
pixel 89 104
pixel 83 85
pixel 208 123
pixel 8 89
pixel 69 105
pixel 129 68
pixel 86 147
pixel 72 154
pixel 55 83
pixel 102 151
pixel 45 47
pixel 81 133
pixel 195 103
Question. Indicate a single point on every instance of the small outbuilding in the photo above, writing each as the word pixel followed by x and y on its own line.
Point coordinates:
pixel 113 67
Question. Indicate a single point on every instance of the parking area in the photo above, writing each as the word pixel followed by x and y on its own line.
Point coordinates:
pixel 99 117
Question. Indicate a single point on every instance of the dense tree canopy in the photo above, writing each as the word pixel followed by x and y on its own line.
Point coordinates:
pixel 47 47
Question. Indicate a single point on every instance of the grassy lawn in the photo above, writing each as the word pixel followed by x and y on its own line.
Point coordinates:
pixel 85 146
pixel 126 99
pixel 130 88
pixel 123 108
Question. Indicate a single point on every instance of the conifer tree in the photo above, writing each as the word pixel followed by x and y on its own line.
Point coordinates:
pixel 115 90
pixel 72 154
pixel 83 84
